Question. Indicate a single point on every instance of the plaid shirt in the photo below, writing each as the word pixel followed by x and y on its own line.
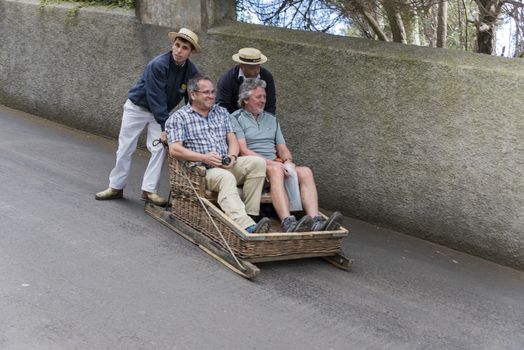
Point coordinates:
pixel 200 134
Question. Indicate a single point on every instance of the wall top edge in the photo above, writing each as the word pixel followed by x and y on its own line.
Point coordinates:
pixel 511 67
pixel 72 5
pixel 389 50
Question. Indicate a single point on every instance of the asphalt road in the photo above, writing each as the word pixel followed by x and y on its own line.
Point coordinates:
pixel 76 273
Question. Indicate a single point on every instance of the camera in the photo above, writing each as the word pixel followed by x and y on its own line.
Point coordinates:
pixel 226 160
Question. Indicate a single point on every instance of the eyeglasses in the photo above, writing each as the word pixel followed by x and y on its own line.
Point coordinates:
pixel 207 92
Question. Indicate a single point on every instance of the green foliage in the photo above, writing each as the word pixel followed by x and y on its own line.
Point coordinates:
pixel 412 21
pixel 352 31
pixel 126 4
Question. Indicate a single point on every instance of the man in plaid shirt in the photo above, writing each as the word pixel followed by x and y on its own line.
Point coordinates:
pixel 202 132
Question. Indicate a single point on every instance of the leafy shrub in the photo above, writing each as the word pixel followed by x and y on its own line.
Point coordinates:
pixel 127 4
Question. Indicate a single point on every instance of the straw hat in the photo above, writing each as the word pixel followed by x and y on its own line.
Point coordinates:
pixel 249 55
pixel 188 35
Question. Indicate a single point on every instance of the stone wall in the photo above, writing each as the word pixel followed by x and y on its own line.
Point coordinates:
pixel 425 141
pixel 197 15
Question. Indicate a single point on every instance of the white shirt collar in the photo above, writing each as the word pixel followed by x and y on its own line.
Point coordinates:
pixel 241 74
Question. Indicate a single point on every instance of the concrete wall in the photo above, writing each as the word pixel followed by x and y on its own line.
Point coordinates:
pixel 426 141
pixel 197 15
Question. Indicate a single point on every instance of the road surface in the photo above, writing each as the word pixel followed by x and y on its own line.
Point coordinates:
pixel 76 273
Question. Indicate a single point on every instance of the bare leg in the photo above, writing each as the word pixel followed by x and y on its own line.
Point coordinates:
pixel 308 190
pixel 278 192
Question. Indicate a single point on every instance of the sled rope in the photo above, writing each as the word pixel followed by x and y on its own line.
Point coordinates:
pixel 212 220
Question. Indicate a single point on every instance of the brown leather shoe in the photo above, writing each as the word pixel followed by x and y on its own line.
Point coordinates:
pixel 109 193
pixel 154 198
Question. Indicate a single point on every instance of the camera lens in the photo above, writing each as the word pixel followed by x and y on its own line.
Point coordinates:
pixel 226 160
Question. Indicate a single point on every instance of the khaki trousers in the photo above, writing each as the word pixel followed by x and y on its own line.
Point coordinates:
pixel 249 171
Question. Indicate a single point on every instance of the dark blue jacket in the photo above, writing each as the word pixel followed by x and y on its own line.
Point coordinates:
pixel 229 84
pixel 162 86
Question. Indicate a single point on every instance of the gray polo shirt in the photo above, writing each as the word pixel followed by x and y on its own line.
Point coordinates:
pixel 261 135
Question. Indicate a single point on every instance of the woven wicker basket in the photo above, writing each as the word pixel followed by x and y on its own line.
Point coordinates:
pixel 187 208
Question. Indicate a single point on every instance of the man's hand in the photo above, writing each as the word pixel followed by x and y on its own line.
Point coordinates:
pixel 290 167
pixel 163 137
pixel 213 159
pixel 231 164
pixel 290 164
pixel 277 165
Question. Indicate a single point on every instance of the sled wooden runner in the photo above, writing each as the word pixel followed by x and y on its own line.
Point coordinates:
pixel 204 243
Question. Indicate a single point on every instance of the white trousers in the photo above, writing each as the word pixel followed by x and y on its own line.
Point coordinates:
pixel 134 120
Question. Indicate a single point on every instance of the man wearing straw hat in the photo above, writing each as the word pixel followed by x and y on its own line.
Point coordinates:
pixel 249 60
pixel 160 88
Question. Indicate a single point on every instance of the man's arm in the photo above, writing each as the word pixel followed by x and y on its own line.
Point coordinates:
pixel 156 88
pixel 232 144
pixel 232 149
pixel 178 151
pixel 240 137
pixel 245 151
pixel 284 153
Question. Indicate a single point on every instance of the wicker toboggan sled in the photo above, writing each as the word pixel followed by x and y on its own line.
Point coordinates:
pixel 195 216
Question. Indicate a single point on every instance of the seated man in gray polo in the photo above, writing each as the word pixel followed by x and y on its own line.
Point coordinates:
pixel 258 133
pixel 202 132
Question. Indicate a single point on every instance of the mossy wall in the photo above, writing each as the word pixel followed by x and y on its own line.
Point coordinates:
pixel 426 141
